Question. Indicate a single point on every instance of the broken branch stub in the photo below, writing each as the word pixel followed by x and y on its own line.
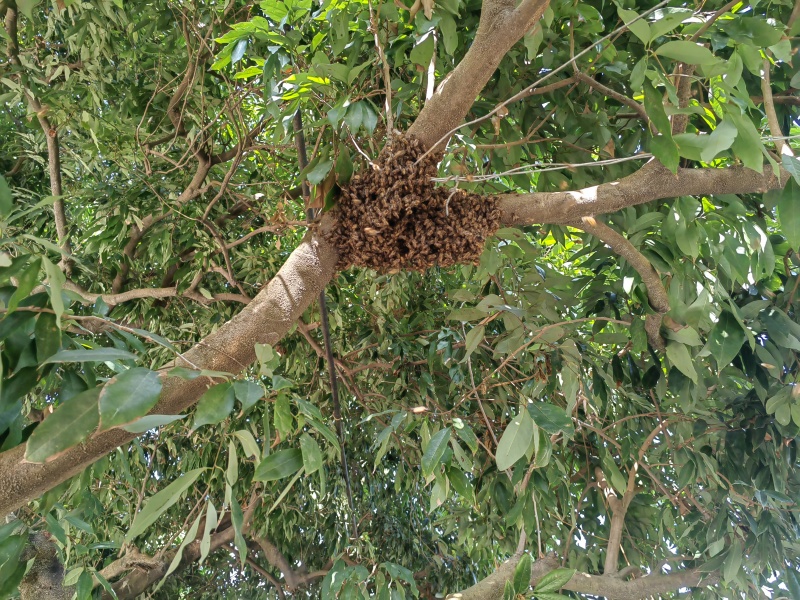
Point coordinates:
pixel 394 218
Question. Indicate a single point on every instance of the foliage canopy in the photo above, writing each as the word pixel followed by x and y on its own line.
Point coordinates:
pixel 605 403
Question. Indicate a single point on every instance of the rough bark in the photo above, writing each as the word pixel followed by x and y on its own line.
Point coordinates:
pixel 500 27
pixel 231 348
pixel 652 182
pixel 611 587
pixel 45 580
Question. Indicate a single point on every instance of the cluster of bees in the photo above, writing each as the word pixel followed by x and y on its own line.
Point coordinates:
pixel 394 218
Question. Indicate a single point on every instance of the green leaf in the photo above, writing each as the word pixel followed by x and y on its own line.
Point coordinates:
pixel 354 116
pixel 515 441
pixel 474 337
pixel 654 106
pixel 68 426
pixel 447 25
pixel 26 7
pixel 720 139
pixel 232 472
pixel 238 539
pixel 247 393
pixel 421 53
pixel 176 560
pixel 678 355
pixel 158 504
pixel 733 562
pixel 238 51
pixel 435 450
pixel 461 484
pixel 789 213
pixel 639 28
pixel 249 444
pixel 215 405
pixel 551 418
pixel 792 164
pixel 747 145
pixel 554 581
pixel 26 281
pixel 312 457
pixel 319 172
pixel 665 150
pixel 6 200
pixel 687 52
pixel 48 336
pixel 522 574
pixel 151 422
pixel 210 525
pixel 344 166
pixel 83 590
pixel 279 465
pixel 725 339
pixel 667 19
pixel 93 355
pixel 56 280
pixel 128 396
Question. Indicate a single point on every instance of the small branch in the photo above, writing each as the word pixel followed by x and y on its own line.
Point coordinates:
pixel 387 76
pixel 611 587
pixel 170 292
pixel 276 558
pixel 278 587
pixel 621 98
pixel 51 135
pixel 683 74
pixel 712 19
pixel 651 279
pixel 769 107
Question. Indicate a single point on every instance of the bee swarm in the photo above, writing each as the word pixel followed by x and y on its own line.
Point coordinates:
pixel 394 217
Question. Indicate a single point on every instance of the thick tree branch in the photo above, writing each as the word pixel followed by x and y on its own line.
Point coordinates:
pixel 652 281
pixel 231 348
pixel 500 27
pixel 652 182
pixel 276 558
pixel 611 587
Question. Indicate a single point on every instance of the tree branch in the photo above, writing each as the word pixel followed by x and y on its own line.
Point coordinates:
pixel 168 292
pixel 50 134
pixel 621 98
pixel 652 182
pixel 500 27
pixel 772 117
pixel 611 587
pixel 651 279
pixel 137 582
pixel 231 348
pixel 276 558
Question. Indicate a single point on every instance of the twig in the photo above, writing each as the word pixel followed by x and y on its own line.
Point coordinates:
pixel 772 118
pixel 387 77
pixel 621 98
pixel 713 18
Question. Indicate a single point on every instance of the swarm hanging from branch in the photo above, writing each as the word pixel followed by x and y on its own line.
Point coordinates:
pixel 394 217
